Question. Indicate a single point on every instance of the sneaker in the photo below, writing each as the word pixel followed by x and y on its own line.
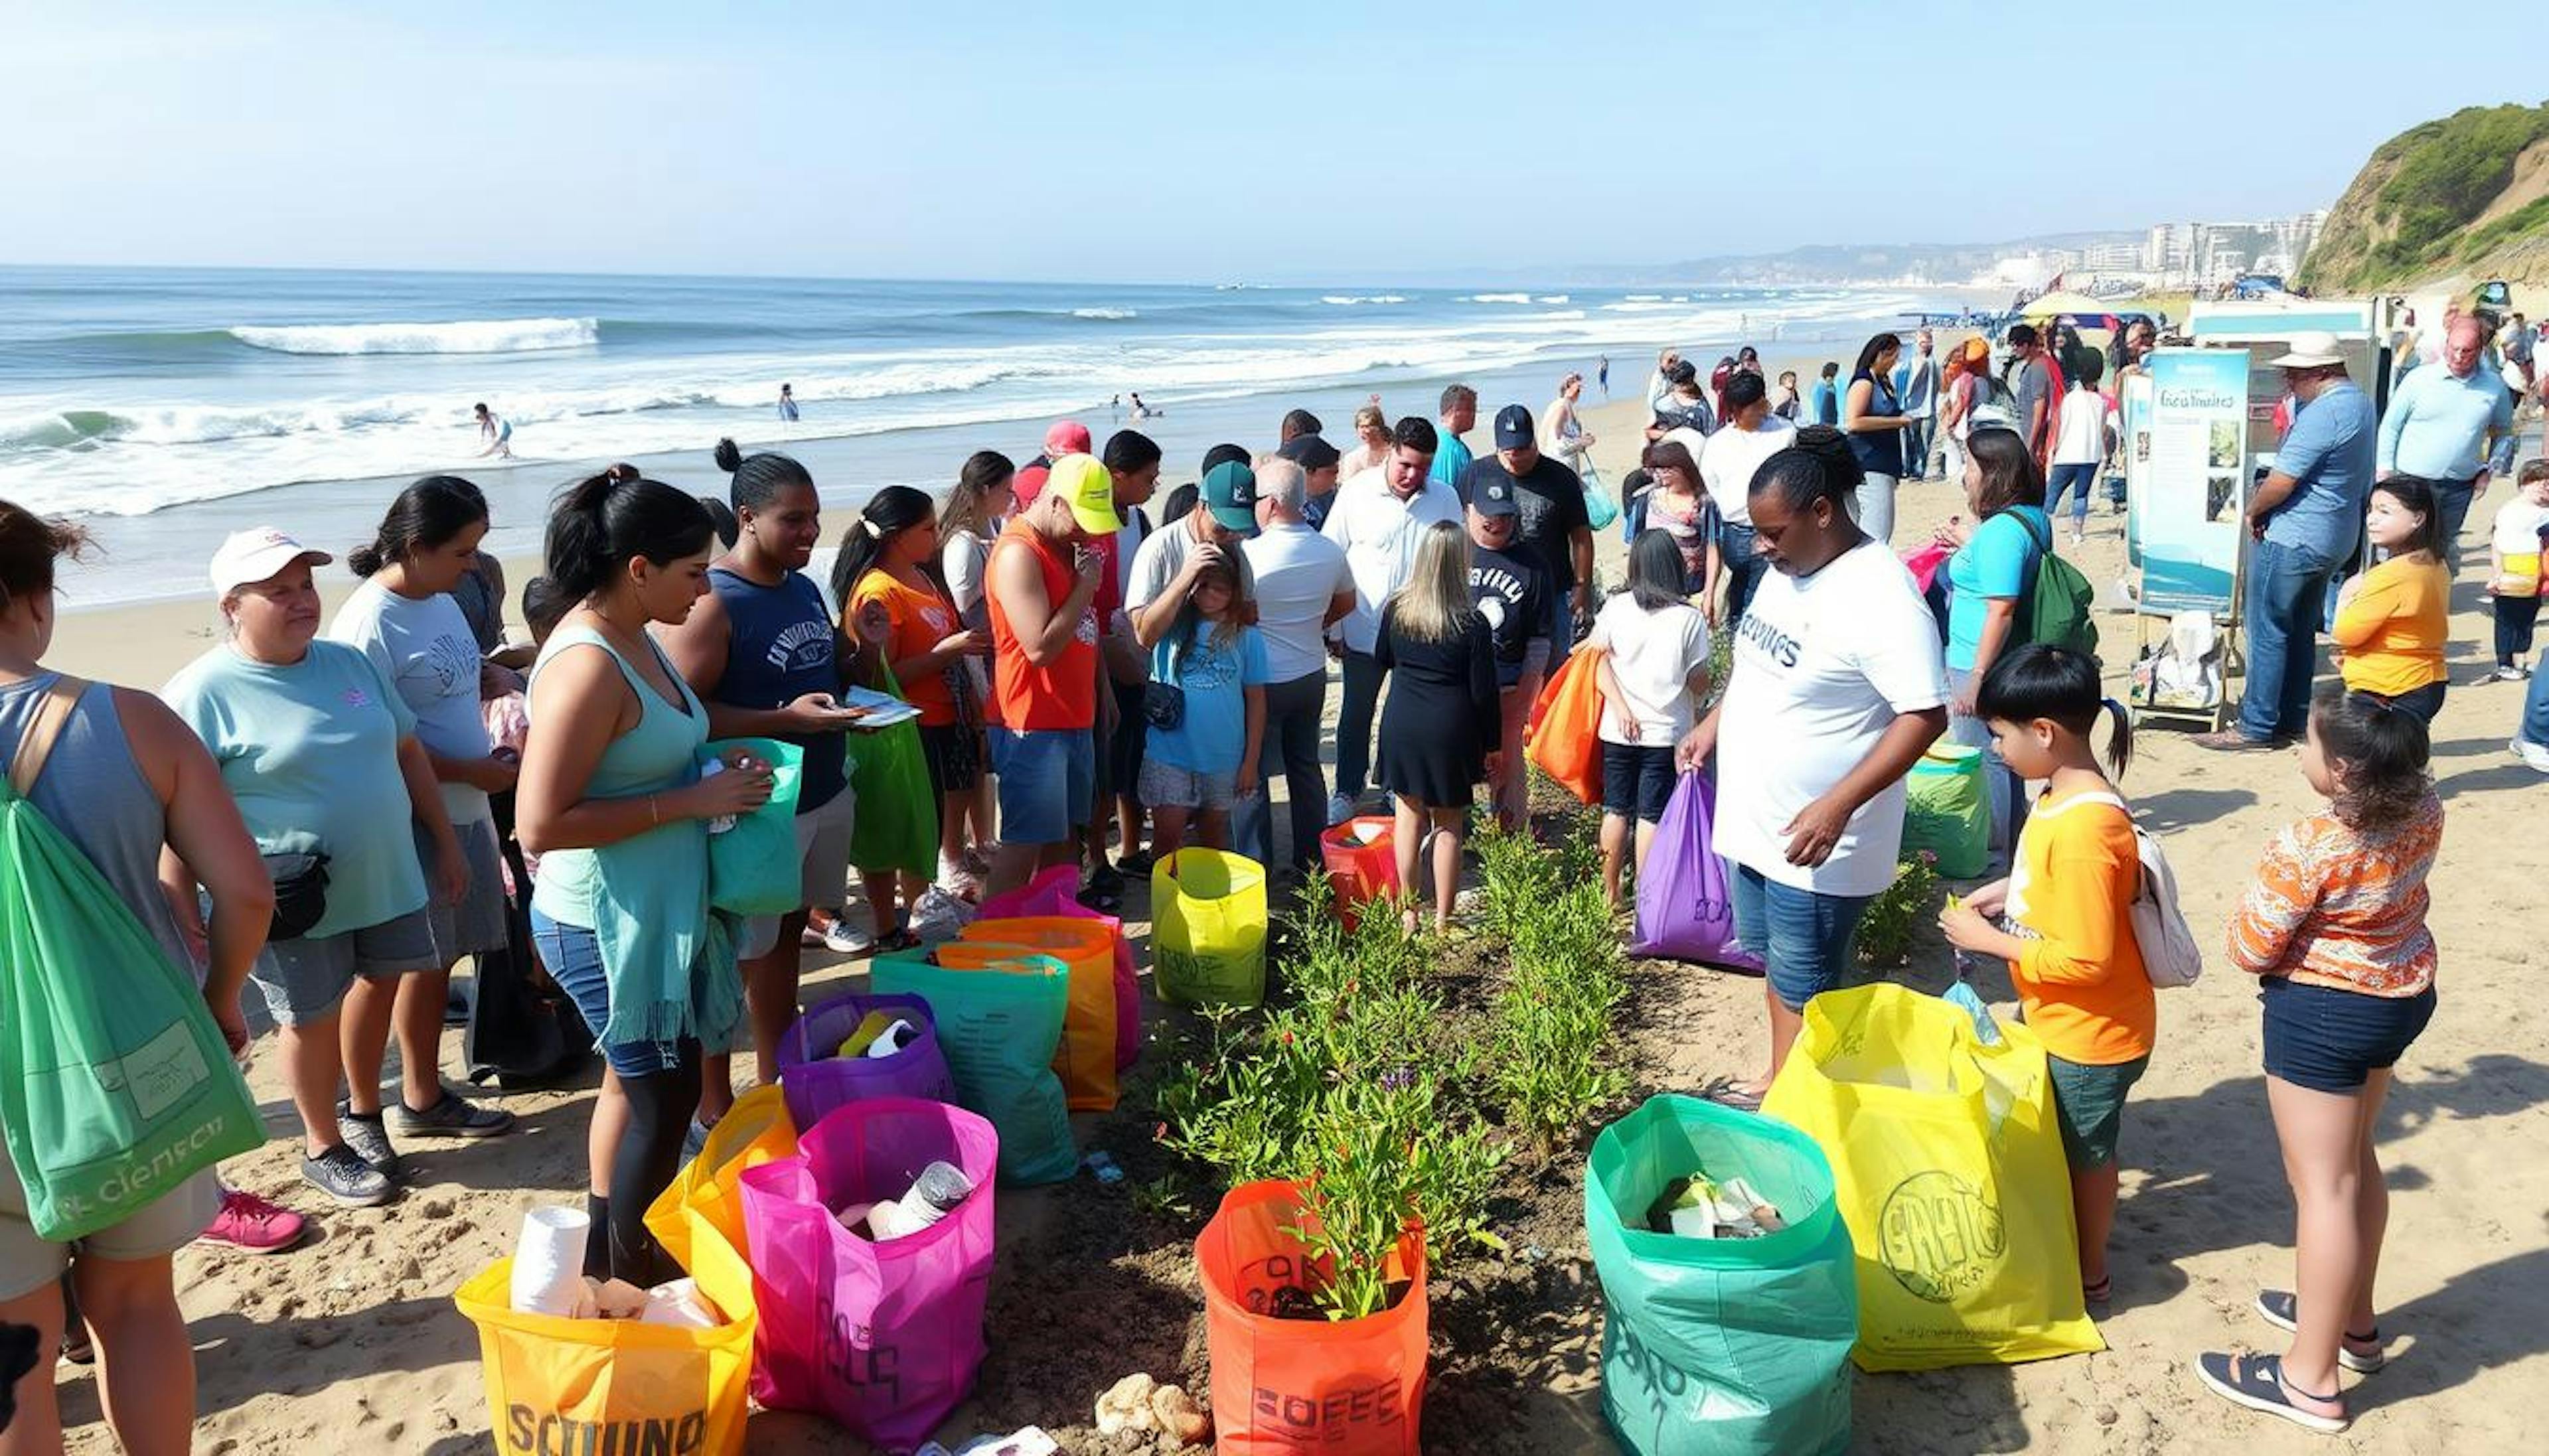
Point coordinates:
pixel 1105 882
pixel 2077 538
pixel 366 1136
pixel 249 1224
pixel 1137 863
pixel 2531 753
pixel 957 881
pixel 1340 809
pixel 341 1173
pixel 453 1116
pixel 845 939
pixel 2507 674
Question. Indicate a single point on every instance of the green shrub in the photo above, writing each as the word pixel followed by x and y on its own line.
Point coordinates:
pixel 1885 931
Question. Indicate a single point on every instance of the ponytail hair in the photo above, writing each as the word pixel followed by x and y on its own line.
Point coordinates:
pixel 968 506
pixel 721 520
pixel 601 522
pixel 2036 680
pixel 889 513
pixel 758 478
pixel 2378 752
pixel 426 515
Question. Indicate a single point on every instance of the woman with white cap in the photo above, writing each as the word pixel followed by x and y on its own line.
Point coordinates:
pixel 320 752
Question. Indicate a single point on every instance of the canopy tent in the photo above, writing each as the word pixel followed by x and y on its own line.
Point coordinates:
pixel 2078 309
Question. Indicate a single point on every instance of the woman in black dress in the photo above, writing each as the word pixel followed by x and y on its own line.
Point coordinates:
pixel 1441 732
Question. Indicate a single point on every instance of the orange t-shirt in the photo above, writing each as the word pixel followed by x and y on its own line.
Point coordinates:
pixel 921 620
pixel 2070 898
pixel 1063 693
pixel 2392 629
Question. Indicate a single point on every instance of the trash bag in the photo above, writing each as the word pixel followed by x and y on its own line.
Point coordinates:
pixel 1720 1344
pixel 1948 1168
pixel 1208 927
pixel 1947 810
pixel 752 863
pixel 756 1129
pixel 616 1385
pixel 1361 862
pixel 816 1082
pixel 115 1084
pixel 1056 891
pixel 1685 894
pixel 1000 1021
pixel 884 1337
pixel 939 916
pixel 523 1032
pixel 1563 736
pixel 1292 1387
pixel 896 824
pixel 1085 1059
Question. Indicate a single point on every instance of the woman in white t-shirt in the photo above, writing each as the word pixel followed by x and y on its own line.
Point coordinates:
pixel 1728 460
pixel 2081 436
pixel 1836 691
pixel 1654 670
pixel 983 496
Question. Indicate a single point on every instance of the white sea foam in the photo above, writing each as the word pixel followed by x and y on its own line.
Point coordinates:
pixel 467 336
pixel 1347 300
pixel 1500 298
pixel 1550 297
pixel 1105 313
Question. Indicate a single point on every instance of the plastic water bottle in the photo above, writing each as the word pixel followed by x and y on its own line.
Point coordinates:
pixel 935 1194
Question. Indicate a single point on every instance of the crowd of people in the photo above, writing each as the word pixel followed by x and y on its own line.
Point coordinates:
pixel 318 813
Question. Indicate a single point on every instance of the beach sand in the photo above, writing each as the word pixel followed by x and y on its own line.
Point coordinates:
pixel 352 1341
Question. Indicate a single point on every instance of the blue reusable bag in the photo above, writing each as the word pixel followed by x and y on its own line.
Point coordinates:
pixel 753 866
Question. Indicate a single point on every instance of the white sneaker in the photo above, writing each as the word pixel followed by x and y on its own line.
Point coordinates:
pixel 848 939
pixel 957 881
pixel 2505 675
pixel 2077 538
pixel 2531 753
pixel 1340 809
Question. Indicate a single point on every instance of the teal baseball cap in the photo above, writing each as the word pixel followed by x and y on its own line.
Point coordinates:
pixel 1230 494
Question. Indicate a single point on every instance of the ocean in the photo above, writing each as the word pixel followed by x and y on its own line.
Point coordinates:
pixel 167 406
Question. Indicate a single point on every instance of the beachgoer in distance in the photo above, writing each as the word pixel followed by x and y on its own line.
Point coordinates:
pixel 1835 692
pixel 2334 928
pixel 1747 360
pixel 1296 423
pixel 1303 587
pixel 1141 410
pixel 1991 572
pixel 758 650
pixel 1602 376
pixel 2067 908
pixel 1653 675
pixel 2084 435
pixel 1458 416
pixel 1660 382
pixel 1044 573
pixel 983 495
pixel 1785 402
pixel 405 620
pixel 1510 586
pixel 134 792
pixel 1568 438
pixel 1873 418
pixel 2392 620
pixel 2452 426
pixel 1442 733
pixel 1554 521
pixel 1380 519
pixel 2306 517
pixel 1372 442
pixel 1727 462
pixel 318 747
pixel 2031 387
pixel 1680 507
pixel 1916 382
pixel 2516 547
pixel 1826 408
pixel 497 432
pixel 1320 466
pixel 787 404
pixel 613 801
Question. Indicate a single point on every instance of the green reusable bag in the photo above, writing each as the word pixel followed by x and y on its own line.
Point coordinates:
pixel 894 818
pixel 1947 810
pixel 753 864
pixel 1713 1348
pixel 115 1085
pixel 999 1027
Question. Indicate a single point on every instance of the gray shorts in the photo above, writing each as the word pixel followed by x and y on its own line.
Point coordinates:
pixel 162 1226
pixel 303 980
pixel 823 868
pixel 477 924
pixel 1167 786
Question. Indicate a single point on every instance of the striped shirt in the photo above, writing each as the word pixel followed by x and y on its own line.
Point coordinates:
pixel 2333 906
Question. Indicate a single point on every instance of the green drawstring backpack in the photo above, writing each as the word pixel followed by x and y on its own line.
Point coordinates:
pixel 115 1085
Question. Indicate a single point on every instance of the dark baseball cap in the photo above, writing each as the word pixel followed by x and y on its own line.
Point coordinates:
pixel 1513 427
pixel 1224 454
pixel 1494 496
pixel 1310 452
pixel 1230 494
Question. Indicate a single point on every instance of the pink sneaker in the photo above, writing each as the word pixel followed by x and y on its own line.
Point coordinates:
pixel 249 1224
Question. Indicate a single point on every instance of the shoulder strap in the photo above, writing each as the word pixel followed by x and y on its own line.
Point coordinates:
pixel 37 744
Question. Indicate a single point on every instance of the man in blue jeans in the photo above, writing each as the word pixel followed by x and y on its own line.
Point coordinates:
pixel 2532 742
pixel 2307 517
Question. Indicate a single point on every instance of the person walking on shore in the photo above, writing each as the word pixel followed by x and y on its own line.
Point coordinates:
pixel 787 404
pixel 2306 517
pixel 1602 374
pixel 1566 434
pixel 1303 587
pixel 1380 519
pixel 1452 455
pixel 2453 426
pixel 1873 418
pixel 1916 383
pixel 495 432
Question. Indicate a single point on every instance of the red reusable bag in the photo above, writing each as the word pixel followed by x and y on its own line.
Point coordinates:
pixel 1361 862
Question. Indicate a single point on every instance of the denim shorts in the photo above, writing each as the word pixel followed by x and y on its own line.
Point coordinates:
pixel 1803 937
pixel 573 956
pixel 1047 783
pixel 306 981
pixel 2331 1040
pixel 1637 780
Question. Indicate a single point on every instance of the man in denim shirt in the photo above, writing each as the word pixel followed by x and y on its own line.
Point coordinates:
pixel 2307 517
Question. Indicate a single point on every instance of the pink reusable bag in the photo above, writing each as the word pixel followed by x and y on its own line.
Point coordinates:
pixel 1056 892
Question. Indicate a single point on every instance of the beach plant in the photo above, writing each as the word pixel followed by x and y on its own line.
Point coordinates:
pixel 1885 931
pixel 1552 1056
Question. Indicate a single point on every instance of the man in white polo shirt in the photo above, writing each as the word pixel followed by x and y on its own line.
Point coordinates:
pixel 1378 518
pixel 1303 587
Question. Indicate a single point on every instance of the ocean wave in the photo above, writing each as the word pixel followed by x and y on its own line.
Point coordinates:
pixel 1105 313
pixel 1550 297
pixel 1642 298
pixel 1498 298
pixel 466 336
pixel 1347 300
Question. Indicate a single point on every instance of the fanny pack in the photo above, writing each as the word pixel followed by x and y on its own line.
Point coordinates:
pixel 1164 705
pixel 300 892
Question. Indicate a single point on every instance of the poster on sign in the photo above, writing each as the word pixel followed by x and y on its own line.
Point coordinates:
pixel 2191 499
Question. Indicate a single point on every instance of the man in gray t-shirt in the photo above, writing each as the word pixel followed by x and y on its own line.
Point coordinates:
pixel 2030 384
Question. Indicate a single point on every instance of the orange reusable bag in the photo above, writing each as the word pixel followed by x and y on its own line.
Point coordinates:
pixel 1564 734
pixel 755 1131
pixel 1360 861
pixel 618 1385
pixel 1085 1059
pixel 1283 1386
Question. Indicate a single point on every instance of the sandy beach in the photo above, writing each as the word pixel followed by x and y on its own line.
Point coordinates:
pixel 352 1341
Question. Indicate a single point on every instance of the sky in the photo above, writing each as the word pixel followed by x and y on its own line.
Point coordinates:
pixel 1305 140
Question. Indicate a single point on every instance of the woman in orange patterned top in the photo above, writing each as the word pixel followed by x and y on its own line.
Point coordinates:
pixel 2334 927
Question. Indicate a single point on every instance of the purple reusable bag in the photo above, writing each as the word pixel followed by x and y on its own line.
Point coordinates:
pixel 885 1337
pixel 1685 894
pixel 815 1082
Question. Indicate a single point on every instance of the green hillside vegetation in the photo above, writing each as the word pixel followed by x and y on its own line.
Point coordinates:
pixel 2412 212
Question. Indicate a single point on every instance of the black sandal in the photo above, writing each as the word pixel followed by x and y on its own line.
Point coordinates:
pixel 2257 1382
pixel 2281 1307
pixel 1725 1093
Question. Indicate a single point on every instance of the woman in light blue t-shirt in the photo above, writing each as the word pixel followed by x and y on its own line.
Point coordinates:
pixel 1988 580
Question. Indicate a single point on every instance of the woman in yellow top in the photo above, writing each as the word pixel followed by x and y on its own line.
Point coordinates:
pixel 2391 621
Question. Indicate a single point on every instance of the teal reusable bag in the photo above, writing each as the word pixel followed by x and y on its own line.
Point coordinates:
pixel 999 1028
pixel 753 866
pixel 115 1085
pixel 895 825
pixel 1721 1347
pixel 1947 810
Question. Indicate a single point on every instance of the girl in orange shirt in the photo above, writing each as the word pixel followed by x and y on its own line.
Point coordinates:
pixel 2067 907
pixel 2392 620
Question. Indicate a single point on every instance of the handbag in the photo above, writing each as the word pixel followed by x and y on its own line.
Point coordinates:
pixel 1164 702
pixel 300 892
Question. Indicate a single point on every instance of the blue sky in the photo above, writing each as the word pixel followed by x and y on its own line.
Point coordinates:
pixel 1175 141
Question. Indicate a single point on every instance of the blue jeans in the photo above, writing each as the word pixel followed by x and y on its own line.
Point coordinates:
pixel 1048 780
pixel 2451 512
pixel 2536 704
pixel 1916 449
pixel 2007 790
pixel 2287 593
pixel 1291 751
pixel 573 956
pixel 1633 519
pixel 2079 479
pixel 1803 938
pixel 1743 568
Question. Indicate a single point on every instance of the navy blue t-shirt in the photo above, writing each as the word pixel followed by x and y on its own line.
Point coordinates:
pixel 781 649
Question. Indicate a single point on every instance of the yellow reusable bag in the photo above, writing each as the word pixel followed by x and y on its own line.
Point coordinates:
pixel 1085 1059
pixel 1208 927
pixel 1948 1165
pixel 618 1385
pixel 755 1131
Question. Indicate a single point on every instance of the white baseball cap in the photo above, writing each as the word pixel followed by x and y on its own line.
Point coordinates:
pixel 2309 351
pixel 255 554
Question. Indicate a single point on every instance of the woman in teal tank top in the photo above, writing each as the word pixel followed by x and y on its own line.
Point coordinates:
pixel 611 801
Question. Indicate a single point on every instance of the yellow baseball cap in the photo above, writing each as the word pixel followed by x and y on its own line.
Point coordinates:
pixel 1091 490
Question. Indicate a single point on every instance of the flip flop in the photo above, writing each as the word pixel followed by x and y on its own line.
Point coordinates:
pixel 2281 1307
pixel 2257 1382
pixel 1725 1093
